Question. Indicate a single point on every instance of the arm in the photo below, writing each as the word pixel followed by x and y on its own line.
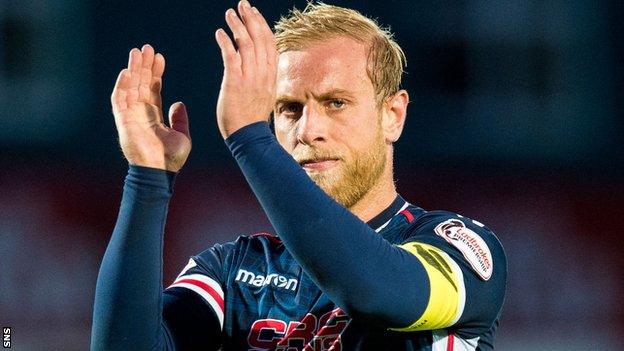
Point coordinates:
pixel 128 302
pixel 414 286
pixel 128 308
pixel 362 272
pixel 426 283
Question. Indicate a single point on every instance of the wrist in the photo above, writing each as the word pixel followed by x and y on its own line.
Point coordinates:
pixel 229 130
pixel 249 134
pixel 151 180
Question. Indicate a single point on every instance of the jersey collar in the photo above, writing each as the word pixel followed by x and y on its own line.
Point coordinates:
pixel 382 219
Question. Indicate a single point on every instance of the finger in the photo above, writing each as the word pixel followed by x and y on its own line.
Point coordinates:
pixel 156 82
pixel 270 48
pixel 243 41
pixel 145 81
pixel 231 58
pixel 134 66
pixel 123 80
pixel 178 118
pixel 119 102
pixel 159 66
pixel 118 97
pixel 269 37
pixel 255 31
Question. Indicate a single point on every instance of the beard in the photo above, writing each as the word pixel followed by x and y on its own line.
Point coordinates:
pixel 348 183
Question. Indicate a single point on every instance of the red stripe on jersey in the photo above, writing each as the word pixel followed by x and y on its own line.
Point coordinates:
pixel 215 295
pixel 408 215
pixel 450 341
pixel 272 238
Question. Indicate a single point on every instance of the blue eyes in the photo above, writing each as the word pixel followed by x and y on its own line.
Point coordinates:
pixel 337 104
pixel 295 108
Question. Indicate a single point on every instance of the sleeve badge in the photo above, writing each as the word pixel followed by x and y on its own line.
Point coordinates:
pixel 469 243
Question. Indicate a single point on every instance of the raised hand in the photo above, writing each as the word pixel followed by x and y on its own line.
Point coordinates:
pixel 145 140
pixel 248 88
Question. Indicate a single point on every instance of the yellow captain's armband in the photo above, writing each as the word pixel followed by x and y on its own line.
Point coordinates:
pixel 447 292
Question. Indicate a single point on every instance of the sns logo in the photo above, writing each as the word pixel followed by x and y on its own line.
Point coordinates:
pixel 6 337
pixel 278 281
pixel 309 334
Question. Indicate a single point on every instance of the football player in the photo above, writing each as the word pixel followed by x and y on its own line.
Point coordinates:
pixel 351 265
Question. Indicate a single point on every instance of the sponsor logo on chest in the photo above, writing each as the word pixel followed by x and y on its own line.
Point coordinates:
pixel 274 280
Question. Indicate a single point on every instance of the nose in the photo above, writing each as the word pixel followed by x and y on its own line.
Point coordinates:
pixel 312 126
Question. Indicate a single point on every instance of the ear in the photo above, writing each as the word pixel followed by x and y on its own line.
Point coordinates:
pixel 394 111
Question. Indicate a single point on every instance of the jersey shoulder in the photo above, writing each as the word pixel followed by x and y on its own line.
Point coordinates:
pixel 257 241
pixel 462 237
pixel 478 254
pixel 247 252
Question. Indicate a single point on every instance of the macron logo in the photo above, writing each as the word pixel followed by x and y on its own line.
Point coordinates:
pixel 276 280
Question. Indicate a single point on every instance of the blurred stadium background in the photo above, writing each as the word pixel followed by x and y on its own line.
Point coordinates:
pixel 516 120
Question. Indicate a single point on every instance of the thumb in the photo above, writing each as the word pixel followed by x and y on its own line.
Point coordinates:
pixel 178 118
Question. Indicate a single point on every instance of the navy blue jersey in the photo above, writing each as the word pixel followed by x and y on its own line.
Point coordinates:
pixel 259 298
pixel 406 280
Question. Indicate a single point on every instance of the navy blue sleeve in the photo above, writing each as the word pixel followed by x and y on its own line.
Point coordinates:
pixel 484 295
pixel 362 272
pixel 128 306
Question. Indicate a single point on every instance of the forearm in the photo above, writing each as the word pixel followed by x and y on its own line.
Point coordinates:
pixel 362 272
pixel 128 298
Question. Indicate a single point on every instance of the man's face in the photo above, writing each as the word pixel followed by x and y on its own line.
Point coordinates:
pixel 327 118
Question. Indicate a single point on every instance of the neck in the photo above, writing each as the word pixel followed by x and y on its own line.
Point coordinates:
pixel 378 198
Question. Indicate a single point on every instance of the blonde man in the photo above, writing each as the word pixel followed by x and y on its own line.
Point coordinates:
pixel 352 265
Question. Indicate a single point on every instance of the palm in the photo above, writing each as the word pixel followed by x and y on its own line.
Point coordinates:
pixel 137 106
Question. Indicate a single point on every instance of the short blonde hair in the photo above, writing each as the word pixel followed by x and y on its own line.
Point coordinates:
pixel 319 22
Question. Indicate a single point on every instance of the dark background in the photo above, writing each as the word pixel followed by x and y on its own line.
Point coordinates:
pixel 516 120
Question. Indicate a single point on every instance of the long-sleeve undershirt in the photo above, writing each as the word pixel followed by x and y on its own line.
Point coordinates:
pixel 127 313
pixel 359 270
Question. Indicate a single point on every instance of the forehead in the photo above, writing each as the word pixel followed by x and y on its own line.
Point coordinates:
pixel 337 63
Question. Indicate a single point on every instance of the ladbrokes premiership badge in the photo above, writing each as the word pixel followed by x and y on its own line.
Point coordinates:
pixel 469 243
